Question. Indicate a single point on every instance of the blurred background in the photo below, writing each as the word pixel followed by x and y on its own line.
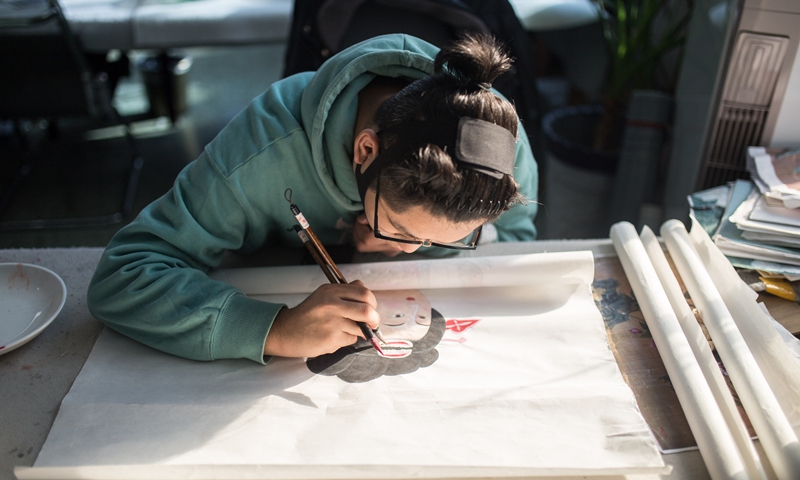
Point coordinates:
pixel 630 106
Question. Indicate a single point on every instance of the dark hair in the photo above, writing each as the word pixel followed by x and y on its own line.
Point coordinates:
pixel 432 179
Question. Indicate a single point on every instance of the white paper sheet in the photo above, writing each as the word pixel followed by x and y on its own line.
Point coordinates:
pixel 776 174
pixel 531 388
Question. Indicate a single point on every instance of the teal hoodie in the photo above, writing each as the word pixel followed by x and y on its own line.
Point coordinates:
pixel 151 283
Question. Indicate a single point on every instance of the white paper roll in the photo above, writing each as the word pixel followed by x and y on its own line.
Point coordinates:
pixel 708 425
pixel 763 340
pixel 500 271
pixel 703 354
pixel 774 431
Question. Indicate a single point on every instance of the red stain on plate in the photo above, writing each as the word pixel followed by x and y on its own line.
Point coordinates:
pixel 459 325
pixel 18 278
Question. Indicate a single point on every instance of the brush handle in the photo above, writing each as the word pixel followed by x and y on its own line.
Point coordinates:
pixel 326 263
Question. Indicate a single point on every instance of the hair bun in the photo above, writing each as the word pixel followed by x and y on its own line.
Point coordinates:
pixel 474 59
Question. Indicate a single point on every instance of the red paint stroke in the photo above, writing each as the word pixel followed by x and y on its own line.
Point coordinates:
pixel 2 347
pixel 459 325
pixel 460 340
pixel 19 276
pixel 410 299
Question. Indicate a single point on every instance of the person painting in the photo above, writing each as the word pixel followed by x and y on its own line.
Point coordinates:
pixel 392 145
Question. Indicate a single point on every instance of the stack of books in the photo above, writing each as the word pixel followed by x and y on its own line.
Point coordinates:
pixel 757 223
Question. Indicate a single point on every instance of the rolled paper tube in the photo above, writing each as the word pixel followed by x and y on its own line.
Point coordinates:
pixel 708 425
pixel 771 425
pixel 770 351
pixel 703 354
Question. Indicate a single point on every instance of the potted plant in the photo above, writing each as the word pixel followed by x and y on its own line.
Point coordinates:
pixel 582 142
pixel 639 34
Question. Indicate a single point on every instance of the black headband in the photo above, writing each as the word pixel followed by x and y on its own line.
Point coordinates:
pixel 476 144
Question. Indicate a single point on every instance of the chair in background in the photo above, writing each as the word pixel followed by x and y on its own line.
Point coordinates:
pixel 47 75
pixel 322 28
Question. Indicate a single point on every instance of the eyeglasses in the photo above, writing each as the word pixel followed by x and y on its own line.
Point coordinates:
pixel 470 242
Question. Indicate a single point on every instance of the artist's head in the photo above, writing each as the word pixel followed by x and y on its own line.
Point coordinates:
pixel 438 160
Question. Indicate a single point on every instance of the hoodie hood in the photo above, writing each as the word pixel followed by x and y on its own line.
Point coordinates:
pixel 330 104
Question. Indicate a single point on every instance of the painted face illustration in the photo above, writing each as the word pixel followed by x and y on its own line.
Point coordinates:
pixel 412 330
pixel 405 314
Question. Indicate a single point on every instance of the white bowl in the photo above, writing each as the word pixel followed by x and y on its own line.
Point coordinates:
pixel 30 299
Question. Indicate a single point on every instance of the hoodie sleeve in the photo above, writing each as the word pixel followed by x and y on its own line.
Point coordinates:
pixel 151 283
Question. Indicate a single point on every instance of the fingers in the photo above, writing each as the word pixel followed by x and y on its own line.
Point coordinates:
pixel 310 331
pixel 357 303
pixel 350 334
pixel 323 322
pixel 360 293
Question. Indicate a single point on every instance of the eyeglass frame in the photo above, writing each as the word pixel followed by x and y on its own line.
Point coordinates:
pixel 425 243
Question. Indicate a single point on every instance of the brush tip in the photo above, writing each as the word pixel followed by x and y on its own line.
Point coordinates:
pixel 375 343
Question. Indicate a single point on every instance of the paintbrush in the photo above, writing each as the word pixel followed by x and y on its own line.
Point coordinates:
pixel 328 266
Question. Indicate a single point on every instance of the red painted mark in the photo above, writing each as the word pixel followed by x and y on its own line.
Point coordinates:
pixel 460 340
pixel 2 347
pixel 19 277
pixel 397 348
pixel 459 325
pixel 410 299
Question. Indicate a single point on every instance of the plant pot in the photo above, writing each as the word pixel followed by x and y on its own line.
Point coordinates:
pixel 637 196
pixel 165 78
pixel 578 180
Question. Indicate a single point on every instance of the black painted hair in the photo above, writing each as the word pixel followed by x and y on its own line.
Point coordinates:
pixel 459 87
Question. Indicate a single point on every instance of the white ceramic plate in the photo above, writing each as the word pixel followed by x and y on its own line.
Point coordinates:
pixel 30 298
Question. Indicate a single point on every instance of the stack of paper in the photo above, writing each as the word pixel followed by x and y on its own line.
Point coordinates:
pixel 757 224
pixel 777 175
pixel 753 233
